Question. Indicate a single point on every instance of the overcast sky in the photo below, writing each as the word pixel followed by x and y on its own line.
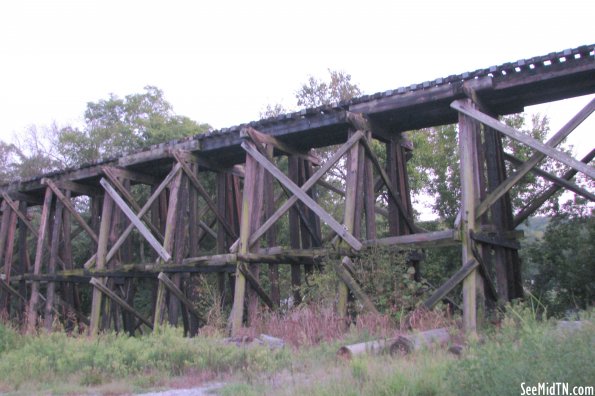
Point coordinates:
pixel 222 62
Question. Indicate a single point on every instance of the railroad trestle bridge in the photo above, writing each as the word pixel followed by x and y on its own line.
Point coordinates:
pixel 238 209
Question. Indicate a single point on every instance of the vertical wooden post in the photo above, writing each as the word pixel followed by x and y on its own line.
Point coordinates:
pixel 468 131
pixel 102 244
pixel 250 212
pixel 369 196
pixel 178 252
pixel 9 251
pixel 351 199
pixel 55 244
pixel 269 208
pixel 43 226
pixel 294 231
pixel 24 261
pixel 168 244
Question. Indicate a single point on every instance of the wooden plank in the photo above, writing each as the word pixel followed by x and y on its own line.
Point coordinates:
pixel 468 132
pixel 115 298
pixel 136 176
pixel 463 107
pixel 495 239
pixel 302 196
pixel 393 193
pixel 179 294
pixel 306 187
pixel 109 172
pixel 516 176
pixel 536 203
pixel 68 205
pixel 203 192
pixel 259 137
pixel 145 232
pixel 344 275
pixel 43 227
pixel 51 288
pixel 294 232
pixel 554 179
pixel 421 240
pixel 104 228
pixel 6 213
pixel 78 188
pixel 255 285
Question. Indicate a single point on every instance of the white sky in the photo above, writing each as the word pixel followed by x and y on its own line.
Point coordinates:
pixel 223 61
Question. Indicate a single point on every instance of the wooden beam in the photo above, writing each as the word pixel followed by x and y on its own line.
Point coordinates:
pixel 118 300
pixel 536 203
pixel 109 172
pixel 104 228
pixel 521 171
pixel 554 179
pixel 41 239
pixel 346 277
pixel 256 285
pixel 393 193
pixel 136 176
pixel 305 187
pixel 464 107
pixel 203 192
pixel 421 240
pixel 145 232
pixel 450 284
pixel 259 137
pixel 171 286
pixel 68 205
pixel 305 198
pixel 79 188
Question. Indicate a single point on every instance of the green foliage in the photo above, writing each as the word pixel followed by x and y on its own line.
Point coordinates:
pixel 337 89
pixel 117 125
pixel 560 267
pixel 384 275
pixel 55 357
pixel 525 350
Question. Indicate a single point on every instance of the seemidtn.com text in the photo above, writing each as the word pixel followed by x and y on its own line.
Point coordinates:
pixel 555 389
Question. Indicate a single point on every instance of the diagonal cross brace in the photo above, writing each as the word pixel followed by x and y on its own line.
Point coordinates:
pixel 465 108
pixel 146 233
pixel 302 196
pixel 526 167
pixel 305 187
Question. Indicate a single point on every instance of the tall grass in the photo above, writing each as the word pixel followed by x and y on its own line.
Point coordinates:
pixel 57 357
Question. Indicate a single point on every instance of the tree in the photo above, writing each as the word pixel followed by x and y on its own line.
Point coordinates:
pixel 434 168
pixel 560 267
pixel 117 126
pixel 315 93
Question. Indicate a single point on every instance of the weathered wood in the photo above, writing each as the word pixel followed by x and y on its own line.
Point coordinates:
pixel 109 172
pixel 55 244
pixel 203 192
pixel 422 240
pixel 307 186
pixel 255 285
pixel 294 231
pixel 102 244
pixel 393 193
pixel 536 203
pixel 41 237
pixel 68 205
pixel 450 284
pixel 554 179
pixel 8 256
pixel 515 177
pixel 355 288
pixel 263 138
pixel 468 131
pixel 171 286
pixel 98 285
pixel 464 107
pixel 140 226
pixel 495 239
pixel 405 344
pixel 302 196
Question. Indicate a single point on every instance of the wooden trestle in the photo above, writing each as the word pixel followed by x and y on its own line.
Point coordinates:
pixel 209 204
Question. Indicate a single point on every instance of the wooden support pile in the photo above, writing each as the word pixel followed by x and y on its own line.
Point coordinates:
pixel 164 217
